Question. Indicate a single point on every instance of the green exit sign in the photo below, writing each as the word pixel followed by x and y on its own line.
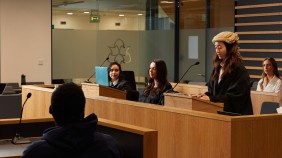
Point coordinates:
pixel 94 18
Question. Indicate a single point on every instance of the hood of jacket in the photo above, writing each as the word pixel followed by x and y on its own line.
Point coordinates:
pixel 72 138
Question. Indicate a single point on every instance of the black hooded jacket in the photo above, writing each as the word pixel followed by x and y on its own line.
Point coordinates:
pixel 74 141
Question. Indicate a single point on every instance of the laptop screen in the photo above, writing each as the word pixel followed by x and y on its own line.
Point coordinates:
pixel 102 76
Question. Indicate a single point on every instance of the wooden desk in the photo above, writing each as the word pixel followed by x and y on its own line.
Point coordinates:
pixel 144 139
pixel 186 133
pixel 259 97
pixel 179 100
pixel 91 89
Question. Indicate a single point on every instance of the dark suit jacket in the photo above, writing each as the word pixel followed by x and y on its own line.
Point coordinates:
pixel 156 97
pixel 123 85
pixel 233 91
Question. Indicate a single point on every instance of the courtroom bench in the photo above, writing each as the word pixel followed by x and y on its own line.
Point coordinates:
pixel 134 141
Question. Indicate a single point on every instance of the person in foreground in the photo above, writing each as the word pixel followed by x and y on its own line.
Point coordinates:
pixel 74 136
pixel 157 83
pixel 230 81
pixel 115 77
pixel 271 80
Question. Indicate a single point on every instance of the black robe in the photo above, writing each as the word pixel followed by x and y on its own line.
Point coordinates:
pixel 233 90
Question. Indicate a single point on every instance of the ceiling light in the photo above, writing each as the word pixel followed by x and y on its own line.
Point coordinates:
pixel 69 13
pixel 86 12
pixel 121 15
pixel 139 14
pixel 167 2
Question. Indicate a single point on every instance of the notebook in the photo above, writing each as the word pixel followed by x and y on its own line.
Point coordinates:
pixel 102 76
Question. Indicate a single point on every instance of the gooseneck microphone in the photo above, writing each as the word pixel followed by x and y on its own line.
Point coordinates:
pixel 18 139
pixel 172 89
pixel 87 81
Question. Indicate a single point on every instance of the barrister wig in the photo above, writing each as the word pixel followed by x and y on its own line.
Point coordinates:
pixel 226 36
pixel 67 104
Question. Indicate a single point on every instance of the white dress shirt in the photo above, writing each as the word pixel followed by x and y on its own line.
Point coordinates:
pixel 273 86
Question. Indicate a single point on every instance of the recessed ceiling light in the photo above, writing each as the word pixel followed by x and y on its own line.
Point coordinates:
pixel 167 2
pixel 86 12
pixel 139 14
pixel 121 15
pixel 69 13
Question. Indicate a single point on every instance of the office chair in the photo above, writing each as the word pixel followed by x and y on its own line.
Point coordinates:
pixel 130 77
pixel 269 107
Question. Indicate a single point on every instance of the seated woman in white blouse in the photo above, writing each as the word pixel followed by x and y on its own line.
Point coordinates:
pixel 271 80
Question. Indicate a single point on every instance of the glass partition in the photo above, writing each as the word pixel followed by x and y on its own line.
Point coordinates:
pixel 133 33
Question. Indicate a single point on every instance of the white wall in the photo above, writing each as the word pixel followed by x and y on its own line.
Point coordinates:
pixel 25 40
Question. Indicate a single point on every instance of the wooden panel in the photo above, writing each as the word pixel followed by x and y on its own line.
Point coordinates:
pixel 255 20
pixel 192 103
pixel 90 89
pixel 255 15
pixel 149 136
pixel 259 6
pixel 178 100
pixel 190 88
pixel 261 59
pixel 261 50
pixel 260 41
pixel 259 97
pixel 258 32
pixel 186 133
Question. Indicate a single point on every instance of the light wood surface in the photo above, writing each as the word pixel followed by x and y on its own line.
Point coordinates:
pixel 186 133
pixel 150 136
pixel 180 100
pixel 259 97
pixel 90 89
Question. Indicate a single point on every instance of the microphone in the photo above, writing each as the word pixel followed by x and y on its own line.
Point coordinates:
pixel 87 81
pixel 172 89
pixel 18 139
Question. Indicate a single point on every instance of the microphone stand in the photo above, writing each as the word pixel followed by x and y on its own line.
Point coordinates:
pixel 18 139
pixel 87 81
pixel 172 89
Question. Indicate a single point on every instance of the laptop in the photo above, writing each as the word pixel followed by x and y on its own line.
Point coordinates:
pixel 102 75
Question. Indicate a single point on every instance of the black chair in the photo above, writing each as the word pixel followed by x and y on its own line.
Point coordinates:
pixel 269 107
pixel 130 77
pixel 58 81
pixel 34 83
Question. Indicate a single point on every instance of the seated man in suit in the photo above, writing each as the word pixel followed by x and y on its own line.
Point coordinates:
pixel 74 135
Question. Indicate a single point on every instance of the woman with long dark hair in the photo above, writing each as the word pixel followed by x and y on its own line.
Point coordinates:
pixel 230 81
pixel 271 79
pixel 115 77
pixel 157 83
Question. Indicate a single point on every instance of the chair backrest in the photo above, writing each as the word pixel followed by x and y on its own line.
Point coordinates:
pixel 34 83
pixel 130 77
pixel 269 107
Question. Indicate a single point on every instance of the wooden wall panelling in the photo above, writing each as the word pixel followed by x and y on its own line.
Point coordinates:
pixel 259 25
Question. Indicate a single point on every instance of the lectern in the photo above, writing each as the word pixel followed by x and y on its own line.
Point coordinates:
pixel 90 90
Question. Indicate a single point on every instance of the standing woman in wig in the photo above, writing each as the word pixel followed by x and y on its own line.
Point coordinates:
pixel 271 79
pixel 230 81
pixel 157 83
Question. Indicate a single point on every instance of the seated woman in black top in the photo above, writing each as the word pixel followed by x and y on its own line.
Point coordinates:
pixel 157 83
pixel 115 77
